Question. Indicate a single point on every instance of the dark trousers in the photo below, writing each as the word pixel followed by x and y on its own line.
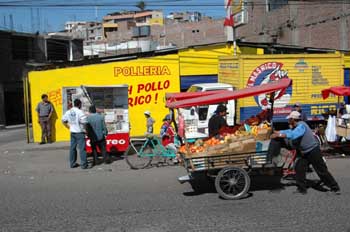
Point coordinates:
pixel 45 124
pixel 314 158
pixel 102 146
pixel 275 148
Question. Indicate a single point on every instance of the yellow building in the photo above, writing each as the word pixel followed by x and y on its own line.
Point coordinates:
pixel 310 73
pixel 148 79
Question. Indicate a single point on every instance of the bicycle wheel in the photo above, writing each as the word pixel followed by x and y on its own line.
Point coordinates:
pixel 136 160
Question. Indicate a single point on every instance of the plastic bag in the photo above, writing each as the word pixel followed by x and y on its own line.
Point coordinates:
pixel 331 133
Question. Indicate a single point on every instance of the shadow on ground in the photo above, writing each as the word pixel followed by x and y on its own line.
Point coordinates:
pixel 202 184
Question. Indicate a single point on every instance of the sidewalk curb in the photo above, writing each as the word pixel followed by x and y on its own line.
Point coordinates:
pixel 30 149
pixel 13 127
pixel 46 148
pixel 23 146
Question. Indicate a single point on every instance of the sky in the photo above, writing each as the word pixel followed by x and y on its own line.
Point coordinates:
pixel 51 15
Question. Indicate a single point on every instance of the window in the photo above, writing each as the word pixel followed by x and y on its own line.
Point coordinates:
pixel 195 89
pixel 203 112
pixel 275 4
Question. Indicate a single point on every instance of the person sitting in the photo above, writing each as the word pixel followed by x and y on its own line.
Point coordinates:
pixel 217 121
pixel 167 134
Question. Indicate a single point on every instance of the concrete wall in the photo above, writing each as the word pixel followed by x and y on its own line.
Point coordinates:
pixel 123 34
pixel 307 24
pixel 190 33
pixel 182 34
pixel 5 56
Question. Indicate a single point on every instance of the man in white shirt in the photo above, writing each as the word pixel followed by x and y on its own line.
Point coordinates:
pixel 75 120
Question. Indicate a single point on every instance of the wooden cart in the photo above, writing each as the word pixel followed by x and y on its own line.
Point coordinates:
pixel 229 169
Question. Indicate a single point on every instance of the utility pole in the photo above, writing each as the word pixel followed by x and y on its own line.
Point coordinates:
pixel 5 24
pixel 343 29
pixel 11 23
pixel 32 24
pixel 38 19
pixel 164 35
pixel 234 40
pixel 96 14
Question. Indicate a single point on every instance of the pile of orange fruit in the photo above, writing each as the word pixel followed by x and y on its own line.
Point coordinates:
pixel 200 147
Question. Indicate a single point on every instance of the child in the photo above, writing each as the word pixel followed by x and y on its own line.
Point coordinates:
pixel 149 122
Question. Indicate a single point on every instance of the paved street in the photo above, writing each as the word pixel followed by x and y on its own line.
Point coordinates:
pixel 40 193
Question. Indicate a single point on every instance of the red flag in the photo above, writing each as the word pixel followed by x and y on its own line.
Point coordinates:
pixel 229 16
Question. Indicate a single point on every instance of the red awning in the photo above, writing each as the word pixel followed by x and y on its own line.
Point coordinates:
pixel 172 97
pixel 336 90
pixel 281 84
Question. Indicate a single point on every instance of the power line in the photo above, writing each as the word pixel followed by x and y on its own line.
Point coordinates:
pixel 170 4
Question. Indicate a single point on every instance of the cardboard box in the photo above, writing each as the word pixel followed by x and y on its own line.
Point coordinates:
pixel 249 145
pixel 216 148
pixel 263 134
pixel 236 146
pixel 342 131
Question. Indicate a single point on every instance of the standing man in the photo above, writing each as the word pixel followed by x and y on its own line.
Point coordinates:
pixel 297 107
pixel 75 119
pixel 45 110
pixel 149 122
pixel 305 142
pixel 217 121
pixel 99 132
pixel 342 109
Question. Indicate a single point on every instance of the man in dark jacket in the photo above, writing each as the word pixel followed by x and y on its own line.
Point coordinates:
pixel 217 121
pixel 97 131
pixel 310 153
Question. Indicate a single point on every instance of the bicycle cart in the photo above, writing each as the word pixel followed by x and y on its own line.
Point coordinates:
pixel 230 161
pixel 141 152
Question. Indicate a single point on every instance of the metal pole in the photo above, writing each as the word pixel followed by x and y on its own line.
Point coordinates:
pixel 234 41
pixel 272 101
pixel 26 105
pixel 337 109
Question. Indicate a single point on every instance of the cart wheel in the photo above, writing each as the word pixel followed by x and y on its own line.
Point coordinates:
pixel 133 158
pixel 232 183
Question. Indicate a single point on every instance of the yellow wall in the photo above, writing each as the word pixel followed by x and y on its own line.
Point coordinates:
pixel 347 61
pixel 156 21
pixel 310 75
pixel 203 60
pixel 161 73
